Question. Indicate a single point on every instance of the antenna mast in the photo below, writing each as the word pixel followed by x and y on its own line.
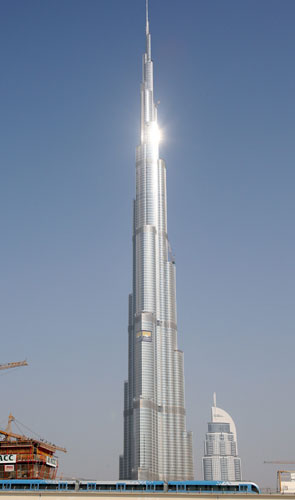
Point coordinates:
pixel 147 27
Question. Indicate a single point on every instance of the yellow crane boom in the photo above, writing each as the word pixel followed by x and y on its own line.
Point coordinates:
pixel 19 437
pixel 53 447
pixel 13 365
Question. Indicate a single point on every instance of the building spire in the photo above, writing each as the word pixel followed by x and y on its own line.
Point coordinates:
pixel 147 31
pixel 147 27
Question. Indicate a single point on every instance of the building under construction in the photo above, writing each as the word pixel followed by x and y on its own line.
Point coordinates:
pixel 24 457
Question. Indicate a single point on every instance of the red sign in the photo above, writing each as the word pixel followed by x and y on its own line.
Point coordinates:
pixel 8 468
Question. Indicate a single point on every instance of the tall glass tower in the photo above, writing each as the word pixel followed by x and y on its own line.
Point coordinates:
pixel 156 442
pixel 221 461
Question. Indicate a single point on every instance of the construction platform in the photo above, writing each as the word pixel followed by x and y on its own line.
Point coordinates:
pixel 26 458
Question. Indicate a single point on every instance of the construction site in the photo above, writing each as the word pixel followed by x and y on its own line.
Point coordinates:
pixel 29 465
pixel 23 457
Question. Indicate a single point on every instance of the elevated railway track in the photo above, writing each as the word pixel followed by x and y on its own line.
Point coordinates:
pixel 84 495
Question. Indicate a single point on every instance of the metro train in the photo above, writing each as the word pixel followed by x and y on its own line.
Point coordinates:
pixel 132 486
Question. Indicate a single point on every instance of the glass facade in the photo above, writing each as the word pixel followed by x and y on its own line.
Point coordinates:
pixel 156 442
pixel 221 461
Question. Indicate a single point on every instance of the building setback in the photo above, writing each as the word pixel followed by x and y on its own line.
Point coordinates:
pixel 157 445
pixel 221 461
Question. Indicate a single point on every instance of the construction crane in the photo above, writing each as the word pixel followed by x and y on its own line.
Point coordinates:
pixel 9 434
pixel 13 365
pixel 285 478
pixel 278 462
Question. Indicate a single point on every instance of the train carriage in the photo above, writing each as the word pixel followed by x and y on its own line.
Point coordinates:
pixel 213 487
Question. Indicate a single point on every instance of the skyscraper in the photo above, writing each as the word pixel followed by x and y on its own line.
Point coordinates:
pixel 156 443
pixel 221 461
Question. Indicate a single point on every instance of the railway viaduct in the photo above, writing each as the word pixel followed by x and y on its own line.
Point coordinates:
pixel 57 495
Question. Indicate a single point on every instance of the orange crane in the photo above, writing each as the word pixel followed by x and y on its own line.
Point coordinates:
pixel 9 434
pixel 13 365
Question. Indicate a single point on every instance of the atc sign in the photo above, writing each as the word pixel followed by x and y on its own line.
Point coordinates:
pixel 7 459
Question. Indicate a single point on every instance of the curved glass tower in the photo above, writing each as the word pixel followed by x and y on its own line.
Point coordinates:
pixel 221 461
pixel 156 443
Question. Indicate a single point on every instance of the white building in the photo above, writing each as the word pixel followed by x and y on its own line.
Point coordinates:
pixel 286 481
pixel 221 461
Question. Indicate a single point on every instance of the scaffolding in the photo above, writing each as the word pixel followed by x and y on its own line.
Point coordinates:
pixel 23 457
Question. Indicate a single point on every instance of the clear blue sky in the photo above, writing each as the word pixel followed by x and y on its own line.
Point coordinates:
pixel 69 92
